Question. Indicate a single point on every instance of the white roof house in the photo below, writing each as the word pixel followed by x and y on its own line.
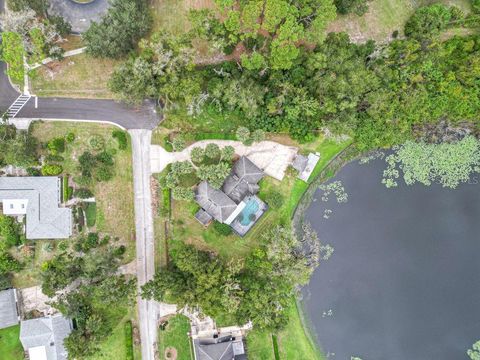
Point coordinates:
pixel 43 338
pixel 38 198
pixel 8 308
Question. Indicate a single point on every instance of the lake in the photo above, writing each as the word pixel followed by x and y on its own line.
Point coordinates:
pixel 403 282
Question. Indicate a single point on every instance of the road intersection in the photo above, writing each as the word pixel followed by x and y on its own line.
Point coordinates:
pixel 139 121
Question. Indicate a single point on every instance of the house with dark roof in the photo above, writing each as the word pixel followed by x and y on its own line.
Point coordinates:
pixel 38 199
pixel 43 338
pixel 236 204
pixel 219 348
pixel 8 308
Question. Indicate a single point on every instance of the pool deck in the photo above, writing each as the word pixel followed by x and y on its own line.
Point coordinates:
pixel 236 225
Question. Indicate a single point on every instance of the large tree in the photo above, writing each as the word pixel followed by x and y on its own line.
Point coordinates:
pixel 119 31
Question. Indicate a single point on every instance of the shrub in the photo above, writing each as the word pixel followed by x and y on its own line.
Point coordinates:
pixel 31 171
pixel 105 158
pixel 212 151
pixel 196 155
pixel 9 231
pixel 180 193
pixel 97 142
pixel 178 143
pixel 357 7
pixel 51 170
pixel 90 242
pixel 70 137
pixel 51 158
pixel 122 139
pixel 104 173
pixel 227 153
pixel 222 229
pixel 274 199
pixel 87 162
pixel 91 214
pixel 476 6
pixel 258 135
pixel 56 145
pixel 65 188
pixel 83 193
pixel 428 21
pixel 243 134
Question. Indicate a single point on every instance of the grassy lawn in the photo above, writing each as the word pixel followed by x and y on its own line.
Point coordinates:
pixel 79 76
pixel 115 213
pixel 175 336
pixel 30 275
pixel 293 341
pixel 10 345
pixel 115 345
pixel 383 18
pixel 172 15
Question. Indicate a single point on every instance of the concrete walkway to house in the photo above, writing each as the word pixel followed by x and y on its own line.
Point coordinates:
pixel 270 156
pixel 65 55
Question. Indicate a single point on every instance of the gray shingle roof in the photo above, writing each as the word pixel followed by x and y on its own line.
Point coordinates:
pixel 48 332
pixel 45 219
pixel 203 217
pixel 243 180
pixel 214 202
pixel 8 308
pixel 219 349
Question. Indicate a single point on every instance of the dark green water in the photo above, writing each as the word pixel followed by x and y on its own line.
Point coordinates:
pixel 404 280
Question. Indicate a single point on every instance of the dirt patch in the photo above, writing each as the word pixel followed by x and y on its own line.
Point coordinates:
pixel 170 353
pixel 199 4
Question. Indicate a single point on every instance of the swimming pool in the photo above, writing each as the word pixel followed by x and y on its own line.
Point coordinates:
pixel 250 208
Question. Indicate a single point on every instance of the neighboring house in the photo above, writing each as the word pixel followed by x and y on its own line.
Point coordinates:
pixel 8 308
pixel 305 165
pixel 43 338
pixel 236 203
pixel 219 348
pixel 38 199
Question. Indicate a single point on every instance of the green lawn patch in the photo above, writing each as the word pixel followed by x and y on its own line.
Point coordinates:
pixel 116 346
pixel 91 214
pixel 384 17
pixel 114 198
pixel 128 340
pixel 175 335
pixel 10 345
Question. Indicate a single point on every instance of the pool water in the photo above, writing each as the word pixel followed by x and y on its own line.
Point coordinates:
pixel 250 208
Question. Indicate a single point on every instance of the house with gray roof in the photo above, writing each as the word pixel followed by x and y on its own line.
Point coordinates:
pixel 236 204
pixel 8 308
pixel 38 199
pixel 43 338
pixel 220 348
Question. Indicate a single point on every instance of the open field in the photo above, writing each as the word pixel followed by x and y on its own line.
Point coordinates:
pixel 175 335
pixel 115 213
pixel 79 76
pixel 172 15
pixel 383 18
pixel 10 346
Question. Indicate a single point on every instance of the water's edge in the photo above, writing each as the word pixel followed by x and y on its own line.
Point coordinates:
pixel 331 168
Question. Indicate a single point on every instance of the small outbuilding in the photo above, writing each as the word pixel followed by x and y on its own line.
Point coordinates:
pixel 221 348
pixel 8 308
pixel 305 165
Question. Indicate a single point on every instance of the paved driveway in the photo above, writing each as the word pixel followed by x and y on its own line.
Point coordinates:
pixel 273 158
pixel 79 15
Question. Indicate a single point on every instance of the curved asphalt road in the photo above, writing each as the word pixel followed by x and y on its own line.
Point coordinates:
pixel 140 117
